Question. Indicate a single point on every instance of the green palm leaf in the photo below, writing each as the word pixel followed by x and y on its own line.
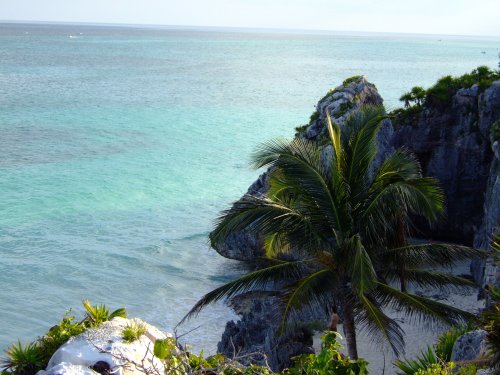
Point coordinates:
pixel 257 280
pixel 421 308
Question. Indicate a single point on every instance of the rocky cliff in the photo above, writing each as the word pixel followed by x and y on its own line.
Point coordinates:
pixel 452 144
pixel 456 143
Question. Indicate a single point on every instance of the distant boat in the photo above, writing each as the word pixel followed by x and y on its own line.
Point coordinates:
pixel 74 37
pixel 483 52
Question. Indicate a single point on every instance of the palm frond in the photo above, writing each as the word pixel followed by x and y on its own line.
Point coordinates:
pixel 261 214
pixel 314 291
pixel 427 278
pixel 362 128
pixel 300 164
pixel 363 274
pixel 378 324
pixel 334 133
pixel 421 308
pixel 433 254
pixel 260 279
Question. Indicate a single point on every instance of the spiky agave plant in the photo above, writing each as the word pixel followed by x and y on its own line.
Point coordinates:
pixel 340 211
pixel 97 314
pixel 22 359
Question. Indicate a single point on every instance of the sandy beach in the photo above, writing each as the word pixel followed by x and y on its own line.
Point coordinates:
pixel 418 336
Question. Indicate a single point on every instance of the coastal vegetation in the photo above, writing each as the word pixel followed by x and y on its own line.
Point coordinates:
pixel 346 221
pixel 441 93
pixel 25 359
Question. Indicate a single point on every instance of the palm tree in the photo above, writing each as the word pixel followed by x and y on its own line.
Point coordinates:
pixel 340 213
pixel 419 94
pixel 407 98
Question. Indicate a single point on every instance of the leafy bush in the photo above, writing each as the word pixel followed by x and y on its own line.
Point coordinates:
pixel 441 93
pixel 30 358
pixel 350 80
pixel 328 361
pixel 437 369
pixel 58 335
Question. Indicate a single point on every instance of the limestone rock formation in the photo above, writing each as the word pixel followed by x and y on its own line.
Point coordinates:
pixel 102 351
pixel 452 144
pixel 488 272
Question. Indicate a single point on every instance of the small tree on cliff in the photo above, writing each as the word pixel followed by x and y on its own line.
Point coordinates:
pixel 345 218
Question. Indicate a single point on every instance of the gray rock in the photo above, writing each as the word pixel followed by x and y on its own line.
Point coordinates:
pixel 470 346
pixel 453 145
pixel 255 333
pixel 487 271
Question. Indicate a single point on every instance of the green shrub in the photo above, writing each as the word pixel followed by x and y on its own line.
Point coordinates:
pixel 350 80
pixel 29 358
pixel 133 332
pixel 441 93
pixel 314 116
pixel 437 369
pixel 57 336
pixel 328 361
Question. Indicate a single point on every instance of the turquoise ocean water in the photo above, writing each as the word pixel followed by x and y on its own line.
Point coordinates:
pixel 118 147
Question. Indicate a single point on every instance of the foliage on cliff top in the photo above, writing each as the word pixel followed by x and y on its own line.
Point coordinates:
pixel 441 93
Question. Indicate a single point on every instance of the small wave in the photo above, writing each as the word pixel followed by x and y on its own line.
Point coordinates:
pixel 194 236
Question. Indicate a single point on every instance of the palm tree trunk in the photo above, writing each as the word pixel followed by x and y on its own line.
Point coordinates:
pixel 350 331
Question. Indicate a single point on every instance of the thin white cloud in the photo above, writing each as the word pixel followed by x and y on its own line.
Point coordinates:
pixel 423 16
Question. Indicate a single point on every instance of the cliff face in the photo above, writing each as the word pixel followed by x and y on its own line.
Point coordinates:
pixel 453 145
pixel 488 272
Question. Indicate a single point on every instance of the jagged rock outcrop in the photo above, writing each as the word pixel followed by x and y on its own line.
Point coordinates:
pixel 340 102
pixel 255 333
pixel 452 144
pixel 488 272
pixel 102 350
pixel 471 346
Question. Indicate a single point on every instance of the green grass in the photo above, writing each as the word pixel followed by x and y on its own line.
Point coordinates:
pixel 133 332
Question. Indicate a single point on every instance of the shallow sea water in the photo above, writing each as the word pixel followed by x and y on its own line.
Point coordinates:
pixel 119 146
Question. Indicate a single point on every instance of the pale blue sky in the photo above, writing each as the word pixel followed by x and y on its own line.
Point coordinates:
pixel 462 17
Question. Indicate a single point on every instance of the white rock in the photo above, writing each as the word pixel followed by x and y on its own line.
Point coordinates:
pixel 105 343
